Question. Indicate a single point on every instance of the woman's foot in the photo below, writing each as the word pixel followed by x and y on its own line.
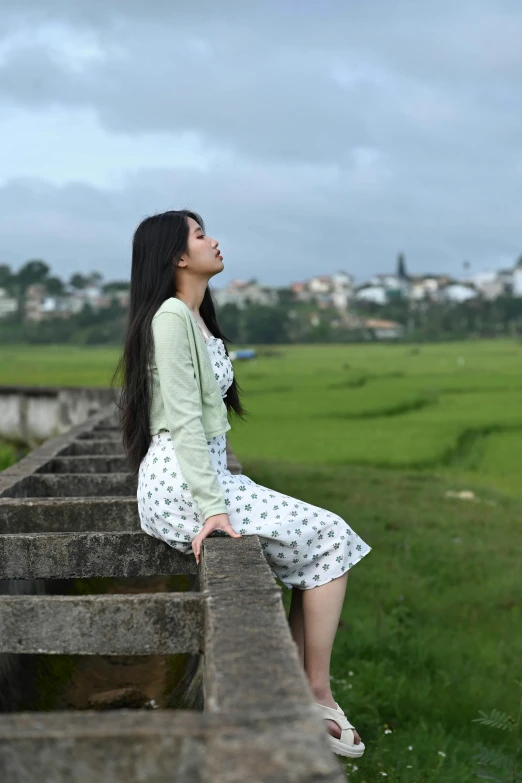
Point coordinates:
pixel 332 727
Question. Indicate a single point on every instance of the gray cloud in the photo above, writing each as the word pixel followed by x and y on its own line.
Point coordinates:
pixel 334 134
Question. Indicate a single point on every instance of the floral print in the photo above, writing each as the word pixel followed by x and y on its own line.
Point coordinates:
pixel 304 545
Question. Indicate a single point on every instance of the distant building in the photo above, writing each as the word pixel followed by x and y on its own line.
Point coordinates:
pixel 372 293
pixel 517 281
pixel 490 284
pixel 393 284
pixel 383 330
pixel 458 292
pixel 427 287
pixel 34 296
pixel 241 293
pixel 8 304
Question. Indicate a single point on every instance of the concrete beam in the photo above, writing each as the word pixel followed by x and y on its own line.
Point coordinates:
pixel 86 464
pixel 70 485
pixel 84 555
pixel 251 659
pixel 148 624
pixel 131 746
pixel 63 515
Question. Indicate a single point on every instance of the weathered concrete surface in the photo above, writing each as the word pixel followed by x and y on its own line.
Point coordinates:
pixel 259 724
pixel 23 515
pixel 86 464
pixel 148 624
pixel 101 434
pixel 165 746
pixel 78 555
pixel 31 414
pixel 251 659
pixel 73 485
pixel 39 456
pixel 93 447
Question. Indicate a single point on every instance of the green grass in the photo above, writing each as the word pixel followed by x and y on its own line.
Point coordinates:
pixel 431 622
pixel 378 434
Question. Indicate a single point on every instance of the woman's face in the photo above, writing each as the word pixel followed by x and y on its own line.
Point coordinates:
pixel 202 254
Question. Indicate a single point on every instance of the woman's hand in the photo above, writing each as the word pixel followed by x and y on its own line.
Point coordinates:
pixel 215 522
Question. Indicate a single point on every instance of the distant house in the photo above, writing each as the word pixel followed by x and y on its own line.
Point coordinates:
pixel 393 284
pixel 372 293
pixel 8 304
pixel 34 296
pixel 383 330
pixel 489 284
pixel 458 292
pixel 241 293
pixel 320 284
pixel 427 287
pixel 55 307
pixel 517 281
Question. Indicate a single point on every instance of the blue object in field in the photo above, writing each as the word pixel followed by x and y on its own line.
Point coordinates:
pixel 247 353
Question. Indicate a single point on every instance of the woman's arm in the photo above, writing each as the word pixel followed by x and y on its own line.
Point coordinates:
pixel 182 403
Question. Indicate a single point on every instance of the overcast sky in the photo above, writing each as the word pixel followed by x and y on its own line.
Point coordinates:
pixel 312 136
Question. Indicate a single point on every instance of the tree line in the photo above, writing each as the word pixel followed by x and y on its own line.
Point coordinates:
pixel 286 321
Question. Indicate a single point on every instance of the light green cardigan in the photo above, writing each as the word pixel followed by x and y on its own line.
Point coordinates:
pixel 187 401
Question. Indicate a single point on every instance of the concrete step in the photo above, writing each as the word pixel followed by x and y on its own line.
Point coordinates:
pixel 79 448
pixel 101 434
pixel 20 515
pixel 90 554
pixel 71 485
pixel 86 464
pixel 148 624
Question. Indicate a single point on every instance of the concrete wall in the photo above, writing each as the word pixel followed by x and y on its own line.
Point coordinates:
pixel 33 414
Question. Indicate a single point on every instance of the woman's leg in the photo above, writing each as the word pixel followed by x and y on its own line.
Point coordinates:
pixel 321 611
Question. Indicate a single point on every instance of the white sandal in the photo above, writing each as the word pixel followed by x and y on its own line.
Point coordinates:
pixel 345 745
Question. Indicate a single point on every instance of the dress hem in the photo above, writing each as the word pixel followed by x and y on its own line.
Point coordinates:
pixel 329 579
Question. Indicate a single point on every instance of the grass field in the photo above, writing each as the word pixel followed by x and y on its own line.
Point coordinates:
pixel 431 626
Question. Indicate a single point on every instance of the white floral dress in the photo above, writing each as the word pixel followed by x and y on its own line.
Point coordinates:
pixel 304 545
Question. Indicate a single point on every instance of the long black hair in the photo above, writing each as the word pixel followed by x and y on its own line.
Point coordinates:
pixel 158 243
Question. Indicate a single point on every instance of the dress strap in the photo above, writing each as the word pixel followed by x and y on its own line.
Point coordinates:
pixel 201 330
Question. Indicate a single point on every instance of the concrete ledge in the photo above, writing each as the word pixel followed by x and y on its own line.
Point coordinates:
pixel 251 660
pixel 83 555
pixel 130 746
pixel 20 515
pixel 85 464
pixel 70 485
pixel 149 624
pixel 32 413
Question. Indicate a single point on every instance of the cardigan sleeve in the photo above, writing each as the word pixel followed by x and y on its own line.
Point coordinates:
pixel 182 403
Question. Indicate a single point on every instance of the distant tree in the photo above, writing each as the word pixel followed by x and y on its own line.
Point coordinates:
pixel 79 282
pixel 402 274
pixel 265 324
pixel 6 277
pixel 285 297
pixel 116 285
pixel 31 273
pixel 54 286
pixel 518 262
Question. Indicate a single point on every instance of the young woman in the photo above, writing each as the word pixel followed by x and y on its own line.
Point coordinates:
pixel 178 386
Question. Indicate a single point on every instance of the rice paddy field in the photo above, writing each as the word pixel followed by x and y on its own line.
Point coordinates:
pixel 419 448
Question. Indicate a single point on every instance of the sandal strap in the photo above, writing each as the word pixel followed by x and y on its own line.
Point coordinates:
pixel 329 713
